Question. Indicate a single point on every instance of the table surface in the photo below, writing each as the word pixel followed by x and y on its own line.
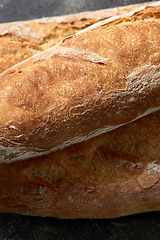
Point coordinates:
pixel 15 227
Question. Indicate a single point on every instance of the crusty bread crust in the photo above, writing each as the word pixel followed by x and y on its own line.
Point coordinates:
pixel 109 176
pixel 89 83
pixel 112 175
pixel 21 40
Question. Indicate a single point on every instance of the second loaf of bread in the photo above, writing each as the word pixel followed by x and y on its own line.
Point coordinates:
pixel 23 39
pixel 88 84
pixel 112 175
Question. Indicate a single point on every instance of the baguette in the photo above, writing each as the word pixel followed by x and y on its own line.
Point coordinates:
pixel 109 176
pixel 112 175
pixel 92 82
pixel 21 40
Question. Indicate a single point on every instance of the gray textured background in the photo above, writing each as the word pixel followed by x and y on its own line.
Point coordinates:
pixel 13 10
pixel 15 227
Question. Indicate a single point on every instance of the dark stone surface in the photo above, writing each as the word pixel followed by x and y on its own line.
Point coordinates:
pixel 13 10
pixel 15 227
pixel 138 227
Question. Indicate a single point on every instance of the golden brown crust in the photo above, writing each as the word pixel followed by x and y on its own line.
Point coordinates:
pixel 21 40
pixel 82 87
pixel 109 176
pixel 113 175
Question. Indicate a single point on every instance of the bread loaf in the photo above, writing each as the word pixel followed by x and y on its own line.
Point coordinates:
pixel 109 176
pixel 112 175
pixel 90 83
pixel 21 40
